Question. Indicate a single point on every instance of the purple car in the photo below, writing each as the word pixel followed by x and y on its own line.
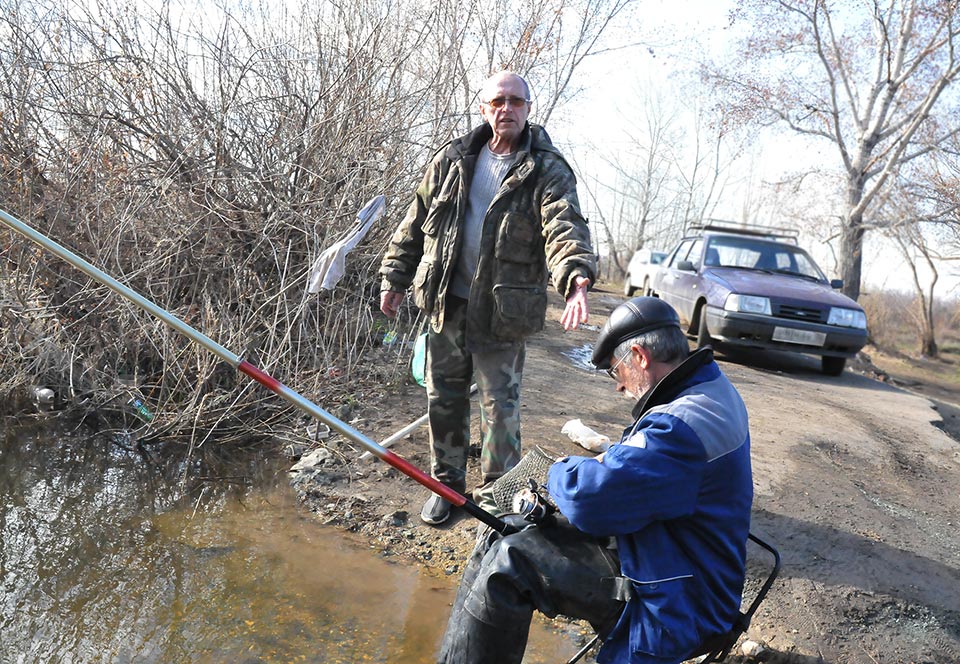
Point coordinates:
pixel 756 288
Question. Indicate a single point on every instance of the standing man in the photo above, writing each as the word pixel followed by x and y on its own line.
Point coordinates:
pixel 495 217
pixel 651 544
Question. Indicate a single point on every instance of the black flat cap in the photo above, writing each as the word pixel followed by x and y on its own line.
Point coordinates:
pixel 633 317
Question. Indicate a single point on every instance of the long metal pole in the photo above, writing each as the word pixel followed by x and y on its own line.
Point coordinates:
pixel 256 374
pixel 394 437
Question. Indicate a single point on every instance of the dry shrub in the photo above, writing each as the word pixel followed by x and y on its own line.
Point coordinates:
pixel 206 169
pixel 205 159
pixel 893 320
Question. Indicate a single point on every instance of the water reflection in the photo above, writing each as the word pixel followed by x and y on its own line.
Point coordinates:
pixel 105 558
pixel 581 357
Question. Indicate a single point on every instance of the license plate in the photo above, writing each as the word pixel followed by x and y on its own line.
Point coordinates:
pixel 805 337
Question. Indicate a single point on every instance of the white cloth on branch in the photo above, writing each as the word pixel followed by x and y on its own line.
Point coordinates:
pixel 329 266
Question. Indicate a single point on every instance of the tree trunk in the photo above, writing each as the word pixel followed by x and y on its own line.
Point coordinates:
pixel 851 253
pixel 928 337
pixel 929 344
pixel 851 240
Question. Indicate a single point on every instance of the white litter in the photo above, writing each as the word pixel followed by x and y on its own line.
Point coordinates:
pixel 585 437
pixel 330 265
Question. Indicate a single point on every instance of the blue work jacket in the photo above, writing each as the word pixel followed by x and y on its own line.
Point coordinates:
pixel 676 492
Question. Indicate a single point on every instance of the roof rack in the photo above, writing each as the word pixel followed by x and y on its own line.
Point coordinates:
pixel 740 228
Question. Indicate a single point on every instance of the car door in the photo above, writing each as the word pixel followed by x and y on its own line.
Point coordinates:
pixel 663 280
pixel 676 286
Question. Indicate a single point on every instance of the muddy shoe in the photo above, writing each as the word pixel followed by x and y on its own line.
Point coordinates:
pixel 435 511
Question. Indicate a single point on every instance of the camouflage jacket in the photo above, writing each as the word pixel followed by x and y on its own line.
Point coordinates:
pixel 532 232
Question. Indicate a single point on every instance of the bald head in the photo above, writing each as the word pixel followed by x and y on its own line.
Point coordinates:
pixel 491 85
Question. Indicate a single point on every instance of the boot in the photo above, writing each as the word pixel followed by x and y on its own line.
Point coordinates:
pixel 468 640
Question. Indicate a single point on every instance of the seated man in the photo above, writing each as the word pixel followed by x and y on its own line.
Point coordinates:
pixel 650 546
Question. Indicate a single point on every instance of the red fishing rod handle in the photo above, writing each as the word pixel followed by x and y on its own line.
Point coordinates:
pixel 398 462
pixel 445 492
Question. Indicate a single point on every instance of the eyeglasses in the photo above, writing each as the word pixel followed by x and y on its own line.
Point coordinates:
pixel 500 102
pixel 612 371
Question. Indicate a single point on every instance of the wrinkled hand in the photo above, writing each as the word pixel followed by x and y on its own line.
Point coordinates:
pixel 390 302
pixel 576 311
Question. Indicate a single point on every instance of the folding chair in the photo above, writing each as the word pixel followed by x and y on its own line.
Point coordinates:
pixel 716 648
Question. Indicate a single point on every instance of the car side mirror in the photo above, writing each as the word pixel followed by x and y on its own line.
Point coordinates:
pixel 686 266
pixel 836 284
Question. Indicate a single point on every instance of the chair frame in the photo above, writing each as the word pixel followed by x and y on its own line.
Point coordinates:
pixel 717 648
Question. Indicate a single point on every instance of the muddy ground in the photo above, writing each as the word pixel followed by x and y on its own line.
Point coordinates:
pixel 856 483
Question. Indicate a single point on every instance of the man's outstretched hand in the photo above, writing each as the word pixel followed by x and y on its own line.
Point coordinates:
pixel 576 311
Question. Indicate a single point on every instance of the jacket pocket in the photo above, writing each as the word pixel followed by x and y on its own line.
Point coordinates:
pixel 518 239
pixel 518 311
pixel 664 620
pixel 434 219
pixel 438 214
pixel 424 290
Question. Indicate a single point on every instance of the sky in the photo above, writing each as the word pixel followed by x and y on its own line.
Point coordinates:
pixel 675 35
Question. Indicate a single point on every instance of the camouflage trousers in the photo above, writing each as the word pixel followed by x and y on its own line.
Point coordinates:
pixel 450 370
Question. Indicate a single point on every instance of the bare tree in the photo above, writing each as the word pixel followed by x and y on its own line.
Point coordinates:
pixel 914 248
pixel 669 169
pixel 919 212
pixel 639 195
pixel 868 77
pixel 704 172
pixel 545 41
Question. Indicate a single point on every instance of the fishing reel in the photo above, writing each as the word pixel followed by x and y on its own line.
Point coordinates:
pixel 530 504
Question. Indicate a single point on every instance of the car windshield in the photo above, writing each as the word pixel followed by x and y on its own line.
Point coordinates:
pixel 754 254
pixel 657 257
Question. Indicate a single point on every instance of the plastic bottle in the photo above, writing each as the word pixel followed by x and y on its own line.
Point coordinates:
pixel 141 409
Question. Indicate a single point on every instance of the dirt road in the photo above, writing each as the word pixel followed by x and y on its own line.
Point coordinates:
pixel 856 484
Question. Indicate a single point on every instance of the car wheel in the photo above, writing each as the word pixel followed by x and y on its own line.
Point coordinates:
pixel 833 366
pixel 646 287
pixel 627 286
pixel 703 334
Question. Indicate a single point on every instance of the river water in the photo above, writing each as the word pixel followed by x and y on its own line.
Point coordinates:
pixel 106 557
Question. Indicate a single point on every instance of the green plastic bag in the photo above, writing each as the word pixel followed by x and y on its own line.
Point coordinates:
pixel 418 363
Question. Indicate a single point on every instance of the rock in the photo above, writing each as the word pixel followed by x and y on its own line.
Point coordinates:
pixel 754 650
pixel 394 519
pixel 317 457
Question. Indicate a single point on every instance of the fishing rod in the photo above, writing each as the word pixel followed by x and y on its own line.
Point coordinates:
pixel 241 365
